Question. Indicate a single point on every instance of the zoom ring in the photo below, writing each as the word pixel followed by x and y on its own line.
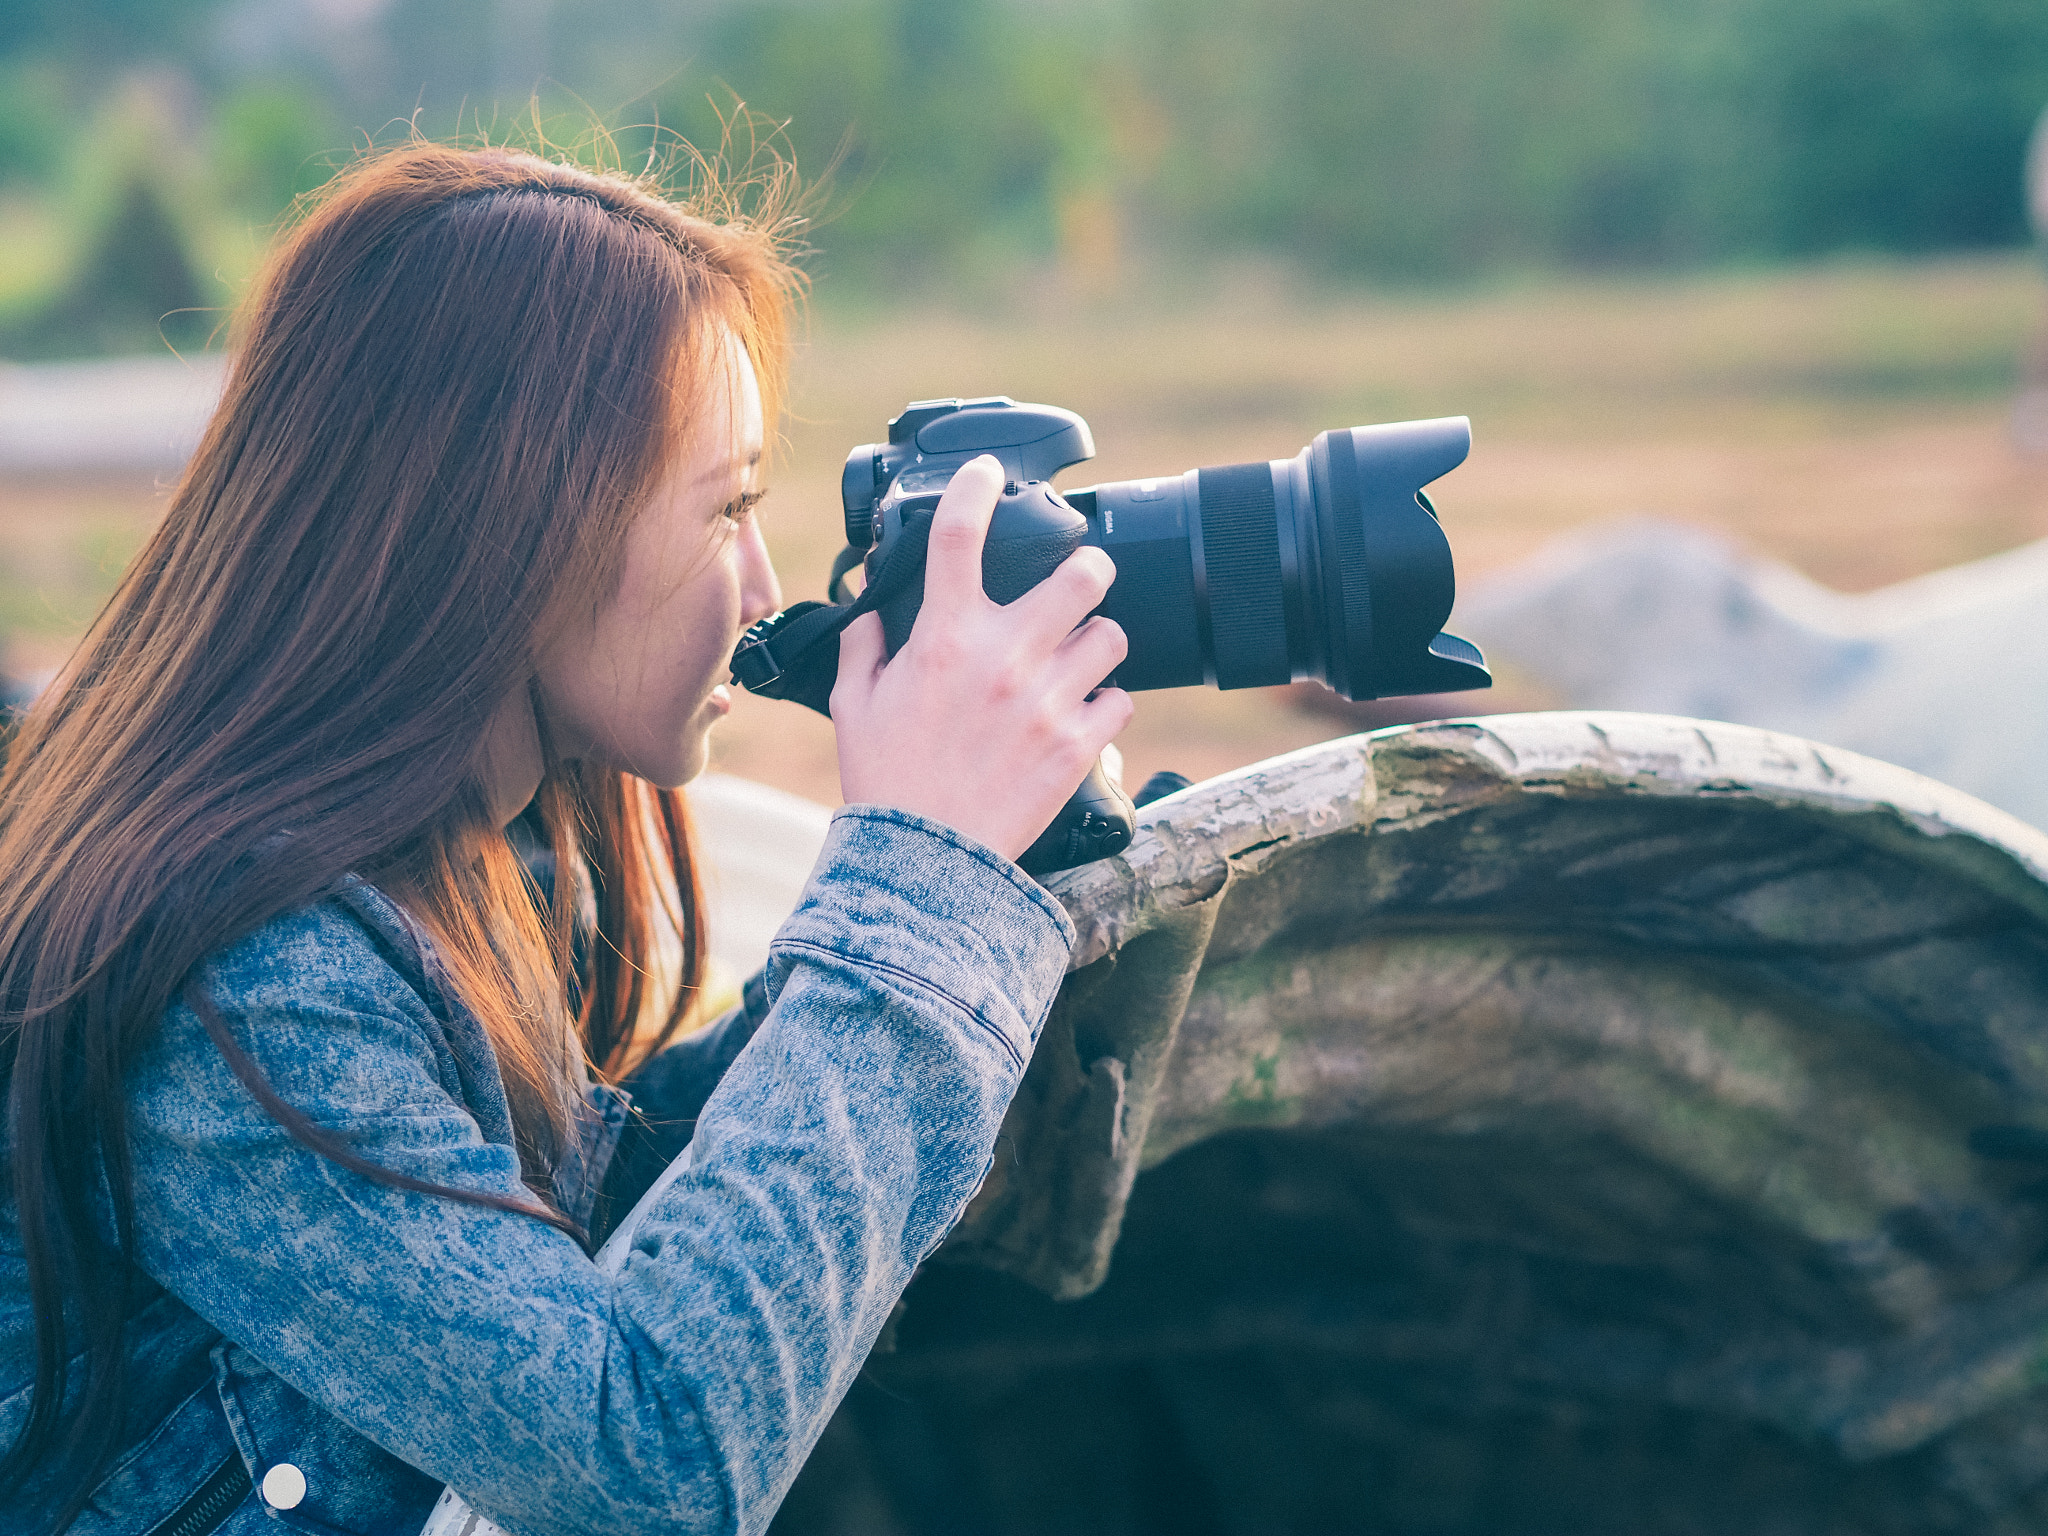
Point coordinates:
pixel 1241 557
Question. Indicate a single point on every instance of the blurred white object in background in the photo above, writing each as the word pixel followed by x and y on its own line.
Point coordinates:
pixel 1946 674
pixel 755 850
pixel 123 413
pixel 756 847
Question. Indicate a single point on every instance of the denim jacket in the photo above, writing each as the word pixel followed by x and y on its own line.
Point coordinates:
pixel 377 1343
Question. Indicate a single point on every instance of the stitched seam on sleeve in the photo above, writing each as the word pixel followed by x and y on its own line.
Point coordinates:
pixel 910 979
pixel 1025 886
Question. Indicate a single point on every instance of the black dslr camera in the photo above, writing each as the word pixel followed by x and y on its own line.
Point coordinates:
pixel 1329 565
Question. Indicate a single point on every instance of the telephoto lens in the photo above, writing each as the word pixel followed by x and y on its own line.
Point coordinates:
pixel 1330 565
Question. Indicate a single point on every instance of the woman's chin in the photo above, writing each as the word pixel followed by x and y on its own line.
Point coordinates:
pixel 696 753
pixel 672 764
pixel 692 769
pixel 693 759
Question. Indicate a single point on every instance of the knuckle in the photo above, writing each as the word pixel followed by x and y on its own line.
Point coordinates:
pixel 943 645
pixel 1088 570
pixel 1097 564
pixel 1084 570
pixel 1111 636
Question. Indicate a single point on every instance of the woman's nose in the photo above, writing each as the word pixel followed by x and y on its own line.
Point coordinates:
pixel 760 592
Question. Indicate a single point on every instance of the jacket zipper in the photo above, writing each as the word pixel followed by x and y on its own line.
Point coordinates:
pixel 208 1509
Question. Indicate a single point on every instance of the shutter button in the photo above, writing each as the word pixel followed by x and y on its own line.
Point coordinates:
pixel 284 1485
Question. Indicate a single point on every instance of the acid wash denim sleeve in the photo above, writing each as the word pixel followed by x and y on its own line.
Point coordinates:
pixel 484 1349
pixel 668 1093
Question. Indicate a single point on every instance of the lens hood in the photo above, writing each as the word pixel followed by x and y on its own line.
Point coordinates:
pixel 1385 572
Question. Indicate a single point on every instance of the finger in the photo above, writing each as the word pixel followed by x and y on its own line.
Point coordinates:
pixel 1087 656
pixel 1067 596
pixel 862 654
pixel 1104 716
pixel 952 567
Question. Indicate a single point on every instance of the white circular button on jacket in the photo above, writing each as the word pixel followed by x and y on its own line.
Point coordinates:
pixel 284 1485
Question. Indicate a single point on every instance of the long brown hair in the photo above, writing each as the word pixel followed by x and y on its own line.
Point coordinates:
pixel 457 381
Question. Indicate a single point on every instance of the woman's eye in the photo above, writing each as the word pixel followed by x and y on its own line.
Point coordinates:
pixel 740 508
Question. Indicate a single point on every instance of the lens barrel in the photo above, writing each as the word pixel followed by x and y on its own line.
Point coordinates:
pixel 1329 565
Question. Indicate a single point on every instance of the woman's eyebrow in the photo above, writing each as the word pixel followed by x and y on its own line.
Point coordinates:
pixel 720 470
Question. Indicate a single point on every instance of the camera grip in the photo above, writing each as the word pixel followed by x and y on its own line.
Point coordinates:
pixel 1098 821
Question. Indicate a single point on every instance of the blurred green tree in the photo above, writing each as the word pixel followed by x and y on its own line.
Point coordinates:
pixel 1897 124
pixel 97 34
pixel 272 140
pixel 35 119
pixel 1372 138
pixel 954 129
pixel 1470 134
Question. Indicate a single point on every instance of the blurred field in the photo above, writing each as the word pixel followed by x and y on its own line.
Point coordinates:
pixel 1849 419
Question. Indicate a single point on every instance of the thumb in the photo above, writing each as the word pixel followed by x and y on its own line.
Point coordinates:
pixel 862 655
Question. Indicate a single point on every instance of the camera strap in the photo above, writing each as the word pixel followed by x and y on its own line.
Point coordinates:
pixel 795 654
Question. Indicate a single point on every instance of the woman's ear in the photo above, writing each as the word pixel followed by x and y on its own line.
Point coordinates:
pixel 510 761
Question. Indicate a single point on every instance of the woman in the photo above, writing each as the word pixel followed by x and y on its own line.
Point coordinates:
pixel 310 1109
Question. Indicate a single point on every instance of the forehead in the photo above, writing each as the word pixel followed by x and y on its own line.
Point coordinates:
pixel 725 431
pixel 728 416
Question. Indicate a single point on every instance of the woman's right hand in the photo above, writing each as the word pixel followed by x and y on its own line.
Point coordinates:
pixel 990 715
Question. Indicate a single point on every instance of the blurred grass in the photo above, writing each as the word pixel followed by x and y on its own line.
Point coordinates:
pixel 1807 347
pixel 1849 418
pixel 1764 402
